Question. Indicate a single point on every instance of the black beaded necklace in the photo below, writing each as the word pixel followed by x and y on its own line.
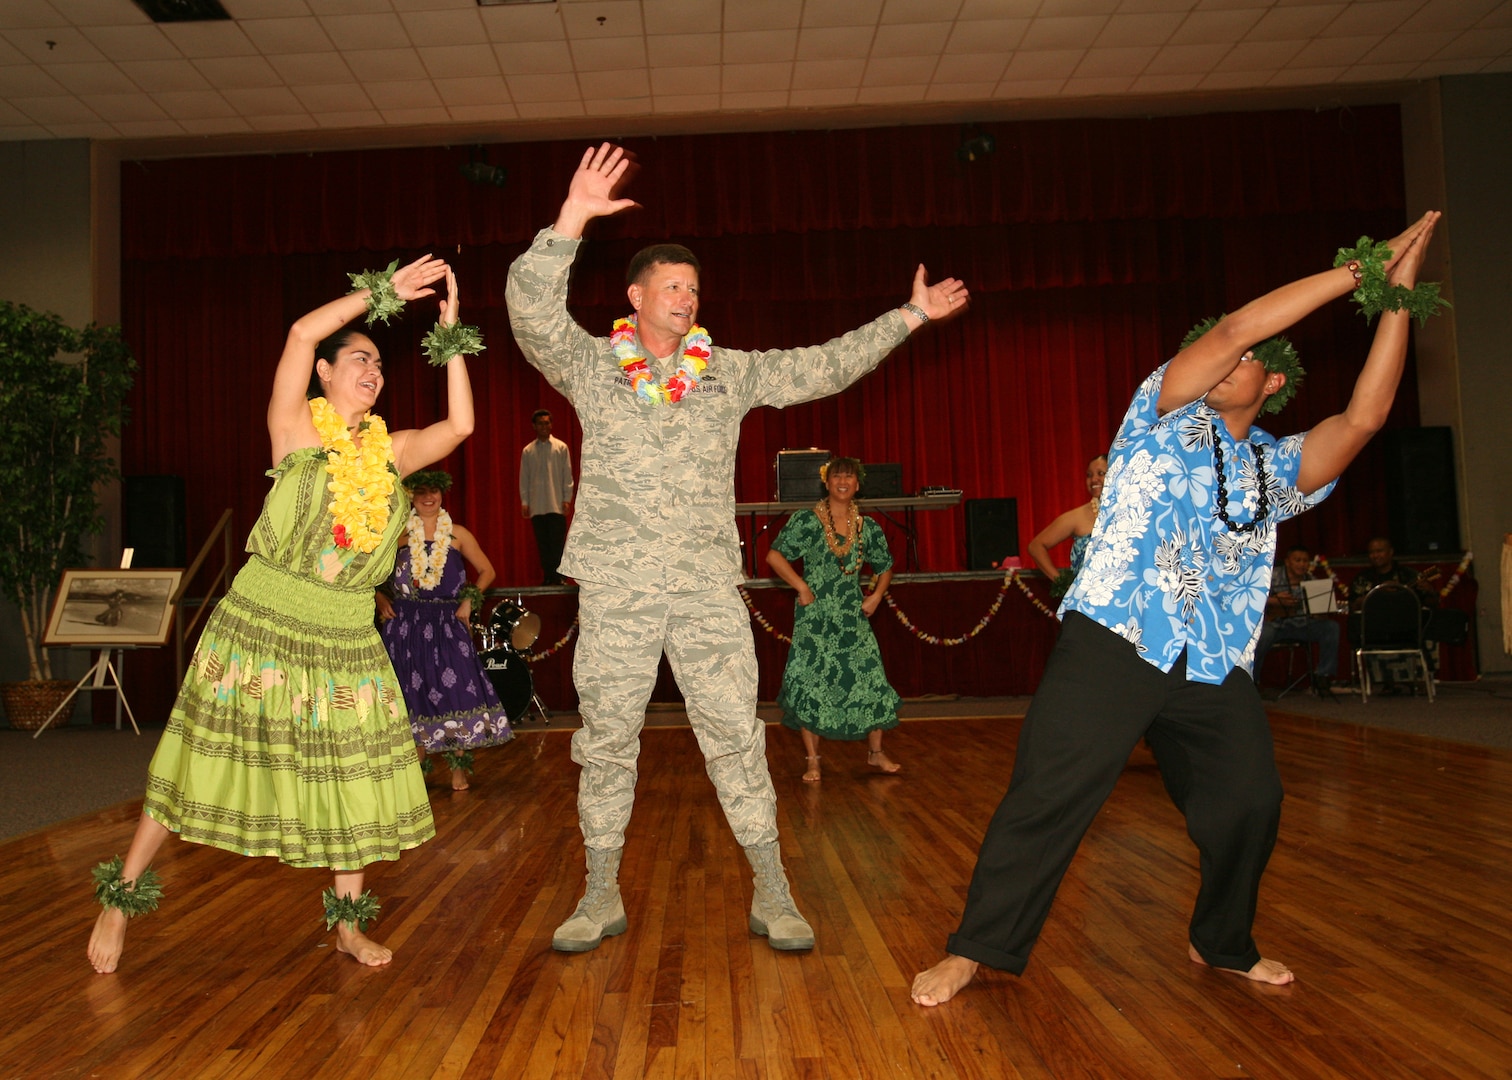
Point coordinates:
pixel 1262 507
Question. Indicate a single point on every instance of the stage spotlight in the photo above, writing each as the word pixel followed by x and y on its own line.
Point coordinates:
pixel 976 146
pixel 481 172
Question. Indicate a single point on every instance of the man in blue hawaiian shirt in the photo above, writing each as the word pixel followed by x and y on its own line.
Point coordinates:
pixel 1166 611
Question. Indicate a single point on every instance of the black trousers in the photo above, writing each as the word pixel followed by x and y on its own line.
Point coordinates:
pixel 551 537
pixel 1095 702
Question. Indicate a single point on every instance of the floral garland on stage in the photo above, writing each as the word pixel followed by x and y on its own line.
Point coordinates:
pixel 1459 571
pixel 1321 563
pixel 362 481
pixel 761 620
pixel 425 570
pixel 697 348
pixel 537 657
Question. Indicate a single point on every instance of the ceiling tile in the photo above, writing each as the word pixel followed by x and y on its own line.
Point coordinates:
pixel 890 95
pixel 19 14
pixel 103 13
pixel 235 72
pixel 410 94
pixel 1293 23
pixel 475 91
pixel 895 12
pixel 686 103
pixel 288 122
pixel 1231 5
pixel 621 18
pixel 1379 72
pixel 1079 7
pixel 102 78
pixel 28 80
pixel 350 7
pixel 208 40
pixel 1062 33
pixel 535 58
pixel 481 114
pixel 148 129
pixel 917 39
pixel 835 42
pixel 357 118
pixel 220 125
pixel 617 106
pixel 1046 64
pixel 1483 44
pixel 264 101
pixel 614 85
pixel 1233 80
pixel 1373 19
pixel 1215 27
pixel 1434 69
pixel 1115 62
pixel 537 88
pixel 760 46
pixel 118 107
pixel 9 54
pixel 1252 56
pixel 1442 15
pixel 1142 29
pixel 670 50
pixel 332 98
pixel 432 28
pixel 828 74
pixel 548 110
pixel 55 110
pixel 1102 87
pixel 841 12
pixel 900 71
pixel 164 76
pixel 747 100
pixel 972 67
pixel 314 69
pixel 365 31
pixel 1165 84
pixel 682 16
pixel 433 5
pixel 1333 52
pixel 608 54
pixel 460 61
pixel 1139 7
pixel 987 36
pixel 194 104
pixel 264 9
pixel 1174 60
pixel 97 129
pixel 55 45
pixel 1024 89
pixel 1314 76
pixel 998 9
pixel 749 78
pixel 822 99
pixel 762 14
pixel 523 22
pixel 1418 47
pixel 10 116
pixel 1500 15
pixel 385 65
pixel 702 79
pixel 304 35
pixel 132 42
pixel 941 91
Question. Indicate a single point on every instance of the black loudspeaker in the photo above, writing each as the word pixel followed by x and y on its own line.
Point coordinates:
pixel 1422 509
pixel 795 475
pixel 991 532
pixel 152 521
pixel 884 480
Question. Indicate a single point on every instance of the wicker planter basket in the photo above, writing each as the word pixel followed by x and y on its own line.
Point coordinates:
pixel 29 704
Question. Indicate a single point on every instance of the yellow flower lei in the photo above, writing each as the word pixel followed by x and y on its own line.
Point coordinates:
pixel 362 481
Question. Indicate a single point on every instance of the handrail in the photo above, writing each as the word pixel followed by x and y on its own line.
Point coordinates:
pixel 183 629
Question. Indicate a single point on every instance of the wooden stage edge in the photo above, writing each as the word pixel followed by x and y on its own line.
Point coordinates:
pixel 1387 894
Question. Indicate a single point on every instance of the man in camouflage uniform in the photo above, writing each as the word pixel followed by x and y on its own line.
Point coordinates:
pixel 653 544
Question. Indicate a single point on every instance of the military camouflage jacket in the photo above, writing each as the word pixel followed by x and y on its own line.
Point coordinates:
pixel 656 495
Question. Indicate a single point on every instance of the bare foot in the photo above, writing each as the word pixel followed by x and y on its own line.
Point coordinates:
pixel 1273 972
pixel 107 940
pixel 882 761
pixel 360 947
pixel 812 775
pixel 459 780
pixel 943 981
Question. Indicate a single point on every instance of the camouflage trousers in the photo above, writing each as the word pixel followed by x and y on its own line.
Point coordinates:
pixel 707 638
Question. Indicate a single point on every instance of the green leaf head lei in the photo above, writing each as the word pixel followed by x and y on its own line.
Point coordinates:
pixel 428 480
pixel 1276 354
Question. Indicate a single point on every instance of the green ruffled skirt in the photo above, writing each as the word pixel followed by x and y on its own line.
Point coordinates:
pixel 289 737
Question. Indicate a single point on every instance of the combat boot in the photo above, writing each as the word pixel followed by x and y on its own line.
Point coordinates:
pixel 600 913
pixel 773 913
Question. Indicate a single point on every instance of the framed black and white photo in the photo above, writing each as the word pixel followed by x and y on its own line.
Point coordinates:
pixel 112 608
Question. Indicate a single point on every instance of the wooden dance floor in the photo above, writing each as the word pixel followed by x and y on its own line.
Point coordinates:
pixel 1388 894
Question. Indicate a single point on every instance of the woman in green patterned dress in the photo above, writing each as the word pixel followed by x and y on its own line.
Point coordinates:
pixel 289 736
pixel 834 684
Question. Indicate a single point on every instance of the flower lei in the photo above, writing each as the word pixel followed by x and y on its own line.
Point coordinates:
pixel 362 481
pixel 840 551
pixel 697 348
pixel 425 569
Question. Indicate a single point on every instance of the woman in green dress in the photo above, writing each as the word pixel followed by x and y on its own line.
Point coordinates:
pixel 834 685
pixel 289 737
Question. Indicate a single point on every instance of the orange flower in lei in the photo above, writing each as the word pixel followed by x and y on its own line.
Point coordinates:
pixel 362 481
pixel 697 348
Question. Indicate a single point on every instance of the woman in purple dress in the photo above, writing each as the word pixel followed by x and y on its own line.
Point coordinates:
pixel 453 707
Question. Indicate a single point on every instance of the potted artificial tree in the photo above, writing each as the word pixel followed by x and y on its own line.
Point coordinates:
pixel 62 394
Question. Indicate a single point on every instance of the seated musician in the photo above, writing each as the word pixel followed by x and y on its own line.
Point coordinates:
pixel 1383 568
pixel 1287 619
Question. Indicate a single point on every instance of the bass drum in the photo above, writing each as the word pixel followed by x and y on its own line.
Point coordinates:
pixel 510 674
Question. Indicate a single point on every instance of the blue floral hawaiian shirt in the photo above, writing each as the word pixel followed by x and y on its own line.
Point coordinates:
pixel 1162 570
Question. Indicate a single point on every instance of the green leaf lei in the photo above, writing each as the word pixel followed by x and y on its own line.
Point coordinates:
pixel 382 300
pixel 113 891
pixel 1375 294
pixel 359 912
pixel 470 591
pixel 445 342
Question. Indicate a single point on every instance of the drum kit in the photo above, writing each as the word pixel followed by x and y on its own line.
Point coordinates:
pixel 504 638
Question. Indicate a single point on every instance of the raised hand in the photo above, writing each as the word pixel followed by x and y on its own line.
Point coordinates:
pixel 942 300
pixel 410 281
pixel 1408 250
pixel 449 302
pixel 591 193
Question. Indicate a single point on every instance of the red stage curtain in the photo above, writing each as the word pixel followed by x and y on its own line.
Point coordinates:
pixel 1090 246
